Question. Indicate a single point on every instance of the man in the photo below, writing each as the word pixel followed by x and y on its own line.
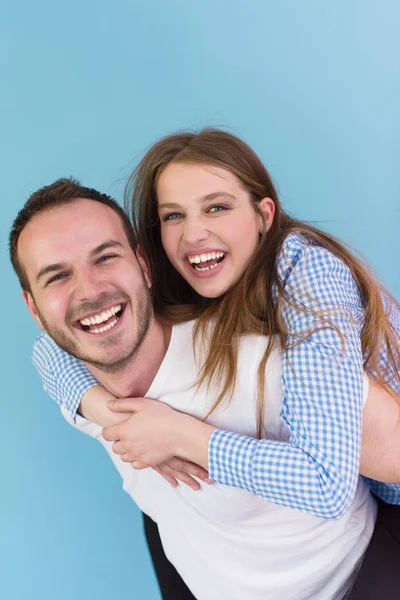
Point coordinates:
pixel 73 252
pixel 39 290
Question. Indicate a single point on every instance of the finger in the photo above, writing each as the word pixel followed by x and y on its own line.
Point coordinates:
pixel 126 457
pixel 168 478
pixel 181 476
pixel 111 434
pixel 118 448
pixel 138 464
pixel 126 404
pixel 186 466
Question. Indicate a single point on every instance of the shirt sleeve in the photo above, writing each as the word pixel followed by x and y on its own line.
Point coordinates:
pixel 322 378
pixel 64 377
pixel 388 492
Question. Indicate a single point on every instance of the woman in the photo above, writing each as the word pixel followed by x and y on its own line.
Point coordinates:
pixel 291 281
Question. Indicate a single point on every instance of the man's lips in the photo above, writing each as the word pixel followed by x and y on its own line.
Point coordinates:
pixel 101 321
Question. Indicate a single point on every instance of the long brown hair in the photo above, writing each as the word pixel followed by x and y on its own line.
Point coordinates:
pixel 248 307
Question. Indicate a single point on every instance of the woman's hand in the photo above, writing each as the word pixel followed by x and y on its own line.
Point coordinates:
pixel 178 469
pixel 156 433
pixel 149 435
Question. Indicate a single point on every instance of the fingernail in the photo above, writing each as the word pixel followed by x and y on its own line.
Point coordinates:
pixel 209 481
pixel 110 403
pixel 194 487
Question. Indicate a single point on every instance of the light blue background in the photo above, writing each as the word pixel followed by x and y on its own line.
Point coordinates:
pixel 86 87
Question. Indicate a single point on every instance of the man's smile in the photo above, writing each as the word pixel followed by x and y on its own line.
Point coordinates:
pixel 101 321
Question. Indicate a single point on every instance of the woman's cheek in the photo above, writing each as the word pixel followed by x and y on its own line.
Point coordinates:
pixel 167 241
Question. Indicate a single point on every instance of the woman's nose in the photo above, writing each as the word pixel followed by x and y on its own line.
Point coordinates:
pixel 194 231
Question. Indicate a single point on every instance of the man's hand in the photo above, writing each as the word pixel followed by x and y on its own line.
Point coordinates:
pixel 155 433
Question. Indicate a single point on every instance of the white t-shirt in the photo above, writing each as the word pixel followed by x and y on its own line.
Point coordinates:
pixel 227 543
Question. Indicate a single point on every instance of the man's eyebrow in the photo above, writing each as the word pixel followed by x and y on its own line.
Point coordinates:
pixel 104 246
pixel 60 266
pixel 206 198
pixel 49 269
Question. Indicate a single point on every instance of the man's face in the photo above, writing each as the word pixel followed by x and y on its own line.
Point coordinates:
pixel 88 289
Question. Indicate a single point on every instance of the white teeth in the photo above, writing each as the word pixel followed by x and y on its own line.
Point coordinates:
pixel 207 268
pixel 104 316
pixel 198 258
pixel 105 328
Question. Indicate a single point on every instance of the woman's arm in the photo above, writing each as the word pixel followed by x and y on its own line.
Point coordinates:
pixel 157 431
pixel 322 378
pixel 380 446
pixel 94 407
pixel 64 377
pixel 68 381
pixel 322 383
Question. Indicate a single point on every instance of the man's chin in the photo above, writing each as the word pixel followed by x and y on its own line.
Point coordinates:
pixel 104 360
pixel 109 359
pixel 107 364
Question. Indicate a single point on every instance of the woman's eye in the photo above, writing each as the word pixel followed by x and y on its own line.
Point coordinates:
pixel 218 208
pixel 172 217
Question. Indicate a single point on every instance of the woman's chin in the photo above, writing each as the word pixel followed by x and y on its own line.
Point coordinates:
pixel 209 288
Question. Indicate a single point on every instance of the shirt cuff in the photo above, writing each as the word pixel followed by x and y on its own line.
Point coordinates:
pixel 73 399
pixel 230 458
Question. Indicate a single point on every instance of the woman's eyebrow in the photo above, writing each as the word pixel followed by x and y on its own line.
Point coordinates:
pixel 202 199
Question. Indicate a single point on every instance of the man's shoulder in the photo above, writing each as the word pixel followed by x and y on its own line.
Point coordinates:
pixel 182 335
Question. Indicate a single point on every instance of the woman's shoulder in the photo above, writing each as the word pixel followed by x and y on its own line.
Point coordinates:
pixel 300 254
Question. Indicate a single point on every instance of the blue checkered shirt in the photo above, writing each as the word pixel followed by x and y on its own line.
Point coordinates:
pixel 322 377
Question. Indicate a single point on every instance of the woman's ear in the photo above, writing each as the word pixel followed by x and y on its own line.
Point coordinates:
pixel 267 208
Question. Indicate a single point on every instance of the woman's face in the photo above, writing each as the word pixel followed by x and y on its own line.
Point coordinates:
pixel 209 226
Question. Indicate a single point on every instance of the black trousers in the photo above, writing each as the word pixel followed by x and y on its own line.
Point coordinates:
pixel 171 584
pixel 379 576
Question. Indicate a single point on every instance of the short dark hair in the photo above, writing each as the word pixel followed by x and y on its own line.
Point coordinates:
pixel 63 191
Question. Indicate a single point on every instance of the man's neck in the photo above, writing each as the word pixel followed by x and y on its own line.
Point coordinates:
pixel 136 377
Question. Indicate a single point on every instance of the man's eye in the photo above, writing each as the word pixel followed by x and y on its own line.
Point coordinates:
pixel 57 277
pixel 218 208
pixel 105 258
pixel 172 217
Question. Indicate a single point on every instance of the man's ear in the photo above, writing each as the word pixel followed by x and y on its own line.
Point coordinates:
pixel 29 301
pixel 141 258
pixel 267 207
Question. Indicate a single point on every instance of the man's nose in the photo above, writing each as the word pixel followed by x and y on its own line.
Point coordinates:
pixel 194 231
pixel 88 287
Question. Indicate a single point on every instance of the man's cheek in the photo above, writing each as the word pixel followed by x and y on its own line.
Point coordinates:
pixel 53 310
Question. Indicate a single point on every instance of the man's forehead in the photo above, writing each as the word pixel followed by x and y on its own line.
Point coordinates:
pixel 78 209
pixel 64 231
pixel 79 218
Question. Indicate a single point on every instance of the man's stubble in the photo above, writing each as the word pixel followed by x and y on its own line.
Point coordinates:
pixel 144 316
